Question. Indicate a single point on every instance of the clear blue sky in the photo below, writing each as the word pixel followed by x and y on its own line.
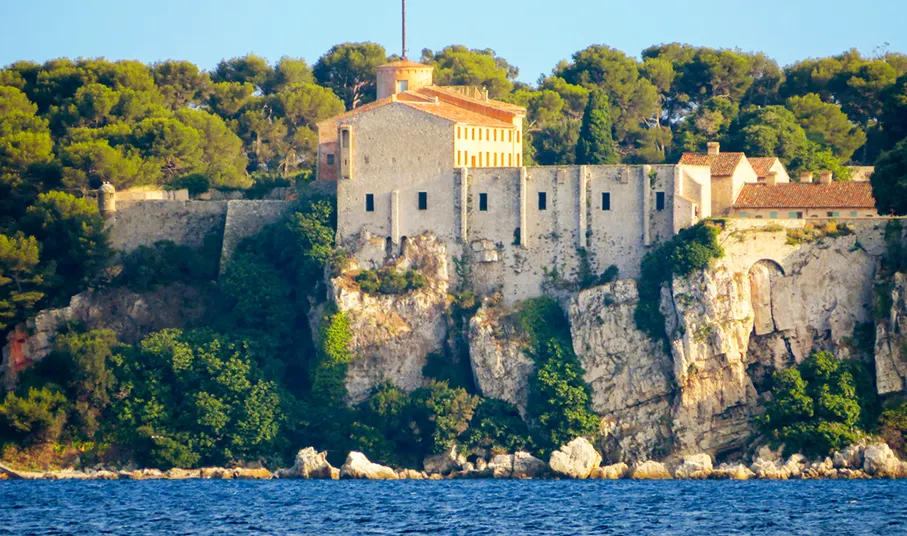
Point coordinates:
pixel 531 34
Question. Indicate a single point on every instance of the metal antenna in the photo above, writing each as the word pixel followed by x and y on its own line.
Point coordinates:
pixel 404 29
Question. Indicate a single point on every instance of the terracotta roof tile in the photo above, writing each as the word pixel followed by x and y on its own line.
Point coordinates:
pixel 762 165
pixel 403 63
pixel 456 114
pixel 722 165
pixel 453 95
pixel 802 195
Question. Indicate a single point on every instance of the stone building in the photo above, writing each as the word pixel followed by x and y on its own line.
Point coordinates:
pixel 805 199
pixel 729 172
pixel 770 164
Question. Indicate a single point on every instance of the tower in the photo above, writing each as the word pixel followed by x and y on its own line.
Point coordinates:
pixel 403 75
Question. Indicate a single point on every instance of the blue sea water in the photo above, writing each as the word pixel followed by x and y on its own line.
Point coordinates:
pixel 468 507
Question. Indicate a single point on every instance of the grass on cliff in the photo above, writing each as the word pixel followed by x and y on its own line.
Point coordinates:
pixel 691 249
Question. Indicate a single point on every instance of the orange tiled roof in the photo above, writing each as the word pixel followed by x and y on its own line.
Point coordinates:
pixel 454 113
pixel 453 95
pixel 806 195
pixel 722 165
pixel 762 165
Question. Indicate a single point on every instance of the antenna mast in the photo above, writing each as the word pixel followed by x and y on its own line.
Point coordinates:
pixel 404 29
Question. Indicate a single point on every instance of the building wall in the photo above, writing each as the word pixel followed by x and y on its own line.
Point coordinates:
pixel 782 175
pixel 490 147
pixel 416 77
pixel 766 213
pixel 186 223
pixel 398 152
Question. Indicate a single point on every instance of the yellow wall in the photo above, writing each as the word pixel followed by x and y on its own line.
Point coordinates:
pixel 416 77
pixel 487 146
pixel 784 213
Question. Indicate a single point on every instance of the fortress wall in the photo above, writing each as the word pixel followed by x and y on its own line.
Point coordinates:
pixel 186 223
pixel 246 218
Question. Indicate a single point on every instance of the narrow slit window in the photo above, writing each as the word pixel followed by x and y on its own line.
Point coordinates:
pixel 483 202
pixel 519 160
pixel 345 138
pixel 606 200
pixel 543 200
pixel 459 157
pixel 423 200
pixel 659 200
pixel 510 160
pixel 510 135
pixel 370 202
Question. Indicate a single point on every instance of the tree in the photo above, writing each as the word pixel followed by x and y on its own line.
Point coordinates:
pixel 711 121
pixel 72 235
pixel 181 83
pixel 827 125
pixel 24 139
pixel 595 145
pixel 894 113
pixel 769 131
pixel 889 181
pixel 223 159
pixel 173 146
pixel 249 69
pixel 21 283
pixel 289 72
pixel 457 65
pixel 88 164
pixel 350 71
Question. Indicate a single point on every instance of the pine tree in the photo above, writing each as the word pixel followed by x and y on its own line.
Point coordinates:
pixel 595 144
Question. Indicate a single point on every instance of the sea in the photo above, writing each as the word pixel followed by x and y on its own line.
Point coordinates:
pixel 467 507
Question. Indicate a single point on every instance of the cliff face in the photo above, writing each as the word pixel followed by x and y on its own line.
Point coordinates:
pixel 891 338
pixel 499 366
pixel 393 334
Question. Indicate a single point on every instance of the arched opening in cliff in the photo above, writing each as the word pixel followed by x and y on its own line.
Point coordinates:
pixel 767 348
pixel 763 275
pixel 403 241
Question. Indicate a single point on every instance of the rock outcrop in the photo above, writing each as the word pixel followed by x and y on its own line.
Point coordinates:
pixel 393 334
pixel 694 467
pixel 131 315
pixel 499 365
pixel 357 466
pixel 649 470
pixel 891 338
pixel 310 464
pixel 526 465
pixel 444 463
pixel 576 459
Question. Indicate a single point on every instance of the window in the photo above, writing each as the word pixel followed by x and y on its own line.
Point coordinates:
pixel 423 200
pixel 480 134
pixel 473 161
pixel 519 160
pixel 402 85
pixel 459 157
pixel 659 200
pixel 330 159
pixel 853 213
pixel 518 136
pixel 488 159
pixel 743 214
pixel 510 160
pixel 458 133
pixel 495 134
pixel 795 215
pixel 606 200
pixel 510 135
pixel 772 214
pixel 370 202
pixel 480 159
pixel 488 134
pixel 483 202
pixel 495 159
pixel 473 134
pixel 345 138
pixel 758 217
pixel 543 201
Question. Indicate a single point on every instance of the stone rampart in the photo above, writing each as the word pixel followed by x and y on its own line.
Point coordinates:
pixel 245 218
pixel 187 223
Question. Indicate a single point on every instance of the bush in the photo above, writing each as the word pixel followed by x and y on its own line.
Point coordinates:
pixel 196 183
pixel 37 417
pixel 893 427
pixel 389 281
pixel 692 249
pixel 165 262
pixel 610 274
pixel 559 399
pixel 820 406
pixel 497 427
pixel 332 357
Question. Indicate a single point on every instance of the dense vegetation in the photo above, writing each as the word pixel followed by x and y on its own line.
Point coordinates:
pixel 822 405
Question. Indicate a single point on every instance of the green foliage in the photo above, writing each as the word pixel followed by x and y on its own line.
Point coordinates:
pixel 199 394
pixel 811 233
pixel 37 417
pixel 497 427
pixel 332 357
pixel 21 282
pixel 826 125
pixel 559 400
pixel 893 426
pixel 821 405
pixel 389 281
pixel 595 145
pixel 350 70
pixel 889 181
pixel 691 249
pixel 444 367
pixel 148 267
pixel 457 65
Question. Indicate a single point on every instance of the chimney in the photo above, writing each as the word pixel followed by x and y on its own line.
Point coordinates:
pixel 714 148
pixel 772 178
pixel 806 177
pixel 825 177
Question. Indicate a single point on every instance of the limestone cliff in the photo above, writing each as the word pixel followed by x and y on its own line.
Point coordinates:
pixel 130 314
pixel 499 366
pixel 891 338
pixel 392 334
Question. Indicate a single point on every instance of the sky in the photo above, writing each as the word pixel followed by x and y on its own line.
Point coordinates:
pixel 534 35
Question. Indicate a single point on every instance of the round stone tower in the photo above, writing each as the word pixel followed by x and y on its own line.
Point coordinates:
pixel 107 200
pixel 404 75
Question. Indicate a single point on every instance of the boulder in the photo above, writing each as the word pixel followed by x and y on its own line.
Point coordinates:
pixel 880 461
pixel 411 474
pixel 502 466
pixel 736 471
pixel 104 475
pixel 309 464
pixel 795 465
pixel 610 472
pixel 694 467
pixel 527 466
pixel 140 474
pixel 576 459
pixel 252 474
pixel 850 458
pixel 767 470
pixel 182 474
pixel 649 470
pixel 444 463
pixel 357 466
pixel 766 453
pixel 65 475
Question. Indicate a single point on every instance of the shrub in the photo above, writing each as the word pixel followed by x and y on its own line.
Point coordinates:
pixel 692 249
pixel 893 426
pixel 332 357
pixel 610 274
pixel 164 263
pixel 389 281
pixel 196 183
pixel 559 399
pixel 821 405
pixel 497 427
pixel 37 417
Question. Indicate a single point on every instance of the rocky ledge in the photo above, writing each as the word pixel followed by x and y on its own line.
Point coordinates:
pixel 578 459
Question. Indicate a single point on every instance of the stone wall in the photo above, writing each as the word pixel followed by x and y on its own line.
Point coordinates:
pixel 186 223
pixel 246 218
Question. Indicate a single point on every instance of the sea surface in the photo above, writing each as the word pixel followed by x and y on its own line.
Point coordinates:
pixel 469 507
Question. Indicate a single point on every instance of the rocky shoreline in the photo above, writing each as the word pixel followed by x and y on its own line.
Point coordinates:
pixel 576 460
